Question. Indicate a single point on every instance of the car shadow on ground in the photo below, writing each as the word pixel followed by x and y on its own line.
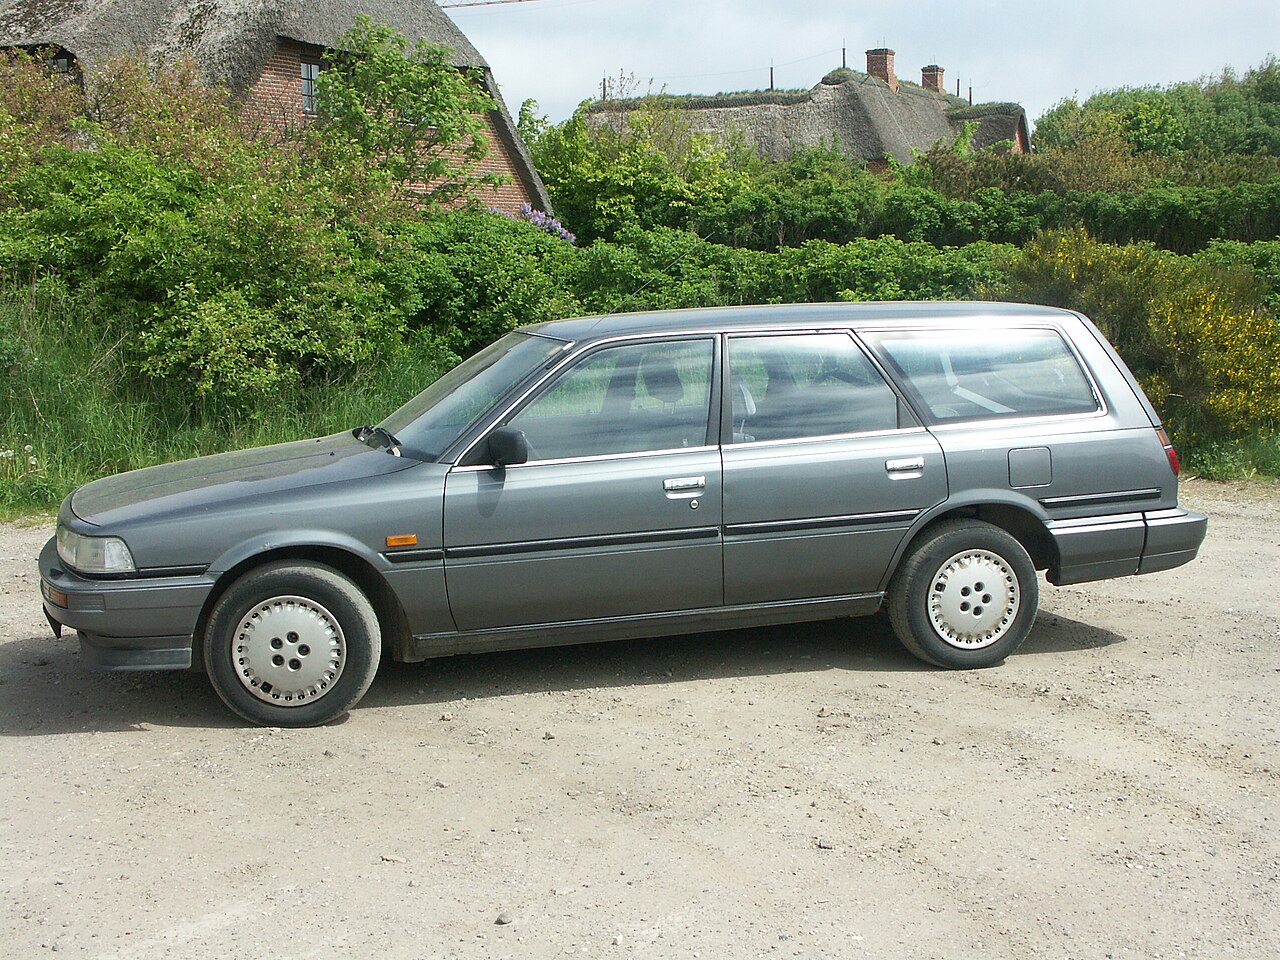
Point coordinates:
pixel 45 689
pixel 1056 634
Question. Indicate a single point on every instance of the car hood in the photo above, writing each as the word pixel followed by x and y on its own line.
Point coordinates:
pixel 205 483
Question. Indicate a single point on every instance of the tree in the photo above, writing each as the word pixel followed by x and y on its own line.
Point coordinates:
pixel 406 108
pixel 647 169
pixel 37 108
pixel 1212 117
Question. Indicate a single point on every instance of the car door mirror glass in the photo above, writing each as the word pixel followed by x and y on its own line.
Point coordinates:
pixel 508 447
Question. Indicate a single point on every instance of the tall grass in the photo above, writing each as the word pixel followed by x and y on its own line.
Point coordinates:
pixel 70 411
pixel 1235 460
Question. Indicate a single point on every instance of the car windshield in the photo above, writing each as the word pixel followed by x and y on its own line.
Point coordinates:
pixel 429 423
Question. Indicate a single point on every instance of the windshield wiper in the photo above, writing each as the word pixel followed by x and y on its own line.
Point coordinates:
pixel 381 436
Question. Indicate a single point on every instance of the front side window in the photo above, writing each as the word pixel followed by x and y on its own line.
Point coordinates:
pixel 623 399
pixel 310 71
pixel 807 385
pixel 986 373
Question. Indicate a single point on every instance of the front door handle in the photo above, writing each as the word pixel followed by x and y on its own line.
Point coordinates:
pixel 905 468
pixel 683 484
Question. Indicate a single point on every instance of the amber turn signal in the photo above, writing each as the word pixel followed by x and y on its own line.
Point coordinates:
pixel 402 540
pixel 55 596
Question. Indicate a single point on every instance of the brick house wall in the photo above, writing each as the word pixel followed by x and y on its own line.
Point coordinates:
pixel 274 103
pixel 513 194
pixel 275 98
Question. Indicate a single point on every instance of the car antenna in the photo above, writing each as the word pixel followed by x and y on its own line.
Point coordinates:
pixel 640 289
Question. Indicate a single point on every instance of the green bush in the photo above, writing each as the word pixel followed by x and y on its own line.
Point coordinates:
pixel 652 171
pixel 1262 258
pixel 1132 166
pixel 221 293
pixel 665 268
pixel 481 274
pixel 815 194
pixel 229 268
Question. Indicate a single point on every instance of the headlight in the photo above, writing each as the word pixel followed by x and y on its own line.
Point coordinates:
pixel 94 554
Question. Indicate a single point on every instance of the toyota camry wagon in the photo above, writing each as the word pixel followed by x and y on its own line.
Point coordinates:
pixel 626 476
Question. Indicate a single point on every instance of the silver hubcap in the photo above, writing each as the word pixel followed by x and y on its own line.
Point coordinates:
pixel 974 599
pixel 289 651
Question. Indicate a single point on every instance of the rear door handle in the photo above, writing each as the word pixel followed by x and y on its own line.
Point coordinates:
pixel 905 468
pixel 683 484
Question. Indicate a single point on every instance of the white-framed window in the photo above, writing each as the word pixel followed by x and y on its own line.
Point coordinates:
pixel 310 70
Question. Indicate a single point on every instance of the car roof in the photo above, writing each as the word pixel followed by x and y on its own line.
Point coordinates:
pixel 795 316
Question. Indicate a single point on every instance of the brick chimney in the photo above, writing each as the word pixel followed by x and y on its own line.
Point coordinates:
pixel 880 65
pixel 931 78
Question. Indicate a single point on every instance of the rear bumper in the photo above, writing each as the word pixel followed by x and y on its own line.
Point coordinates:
pixel 134 624
pixel 1173 538
pixel 1098 548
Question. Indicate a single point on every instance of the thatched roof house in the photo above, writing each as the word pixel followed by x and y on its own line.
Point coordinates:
pixel 266 51
pixel 869 115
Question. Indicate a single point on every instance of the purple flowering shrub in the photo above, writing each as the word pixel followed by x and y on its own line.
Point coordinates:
pixel 540 219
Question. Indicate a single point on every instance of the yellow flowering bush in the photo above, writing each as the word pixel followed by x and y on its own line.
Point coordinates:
pixel 1196 333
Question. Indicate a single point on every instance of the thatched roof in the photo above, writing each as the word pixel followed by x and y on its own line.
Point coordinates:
pixel 997 123
pixel 858 112
pixel 230 40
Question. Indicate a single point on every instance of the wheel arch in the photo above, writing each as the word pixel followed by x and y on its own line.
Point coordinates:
pixel 1019 516
pixel 393 624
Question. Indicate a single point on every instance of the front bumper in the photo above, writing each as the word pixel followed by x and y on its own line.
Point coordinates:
pixel 1097 548
pixel 139 623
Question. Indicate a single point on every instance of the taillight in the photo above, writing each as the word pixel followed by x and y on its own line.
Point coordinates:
pixel 1169 452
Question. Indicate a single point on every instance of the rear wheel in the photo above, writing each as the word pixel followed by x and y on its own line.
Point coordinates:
pixel 292 645
pixel 965 595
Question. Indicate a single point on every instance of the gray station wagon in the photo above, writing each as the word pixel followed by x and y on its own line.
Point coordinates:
pixel 624 476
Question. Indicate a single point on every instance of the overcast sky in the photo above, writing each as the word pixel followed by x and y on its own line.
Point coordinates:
pixel 557 51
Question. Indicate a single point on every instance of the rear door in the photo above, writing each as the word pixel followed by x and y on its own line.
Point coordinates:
pixel 824 469
pixel 617 512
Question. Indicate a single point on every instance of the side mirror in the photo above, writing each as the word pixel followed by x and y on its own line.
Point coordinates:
pixel 507 447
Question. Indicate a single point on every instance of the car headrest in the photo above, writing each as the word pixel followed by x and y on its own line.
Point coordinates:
pixel 661 379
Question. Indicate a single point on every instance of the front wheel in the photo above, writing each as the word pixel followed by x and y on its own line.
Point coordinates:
pixel 964 596
pixel 292 644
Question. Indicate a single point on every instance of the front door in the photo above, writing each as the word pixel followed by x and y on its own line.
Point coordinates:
pixel 616 514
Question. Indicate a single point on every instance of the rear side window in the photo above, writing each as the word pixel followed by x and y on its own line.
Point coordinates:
pixel 985 373
pixel 807 385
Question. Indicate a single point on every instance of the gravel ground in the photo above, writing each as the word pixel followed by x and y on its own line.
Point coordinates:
pixel 807 791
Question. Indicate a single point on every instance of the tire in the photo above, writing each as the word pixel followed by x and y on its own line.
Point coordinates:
pixel 292 644
pixel 965 595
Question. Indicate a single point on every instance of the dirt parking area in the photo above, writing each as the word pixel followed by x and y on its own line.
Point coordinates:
pixel 809 791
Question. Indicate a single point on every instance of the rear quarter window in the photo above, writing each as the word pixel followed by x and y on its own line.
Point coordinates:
pixel 987 373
